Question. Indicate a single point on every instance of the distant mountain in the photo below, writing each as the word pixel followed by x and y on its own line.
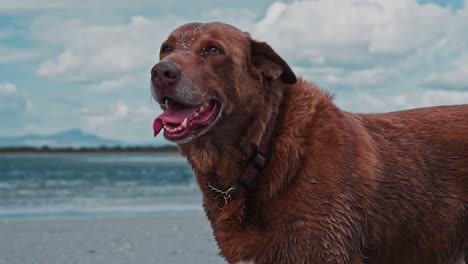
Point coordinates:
pixel 69 138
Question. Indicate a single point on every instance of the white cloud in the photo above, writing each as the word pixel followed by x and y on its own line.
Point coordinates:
pixel 455 77
pixel 29 108
pixel 101 52
pixel 370 77
pixel 369 43
pixel 109 85
pixel 118 111
pixel 365 102
pixel 6 33
pixel 86 5
pixel 122 83
pixel 30 4
pixel 372 26
pixel 7 88
pixel 12 105
pixel 403 26
pixel 131 123
pixel 243 18
pixel 440 97
pixel 12 55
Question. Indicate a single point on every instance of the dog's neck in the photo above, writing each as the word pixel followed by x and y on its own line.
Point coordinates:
pixel 221 159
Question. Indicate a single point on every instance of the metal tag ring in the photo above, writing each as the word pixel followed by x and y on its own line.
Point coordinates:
pixel 221 203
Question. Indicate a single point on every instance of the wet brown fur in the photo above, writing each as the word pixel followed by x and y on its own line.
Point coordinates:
pixel 339 187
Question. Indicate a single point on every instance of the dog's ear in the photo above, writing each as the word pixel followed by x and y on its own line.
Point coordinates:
pixel 272 66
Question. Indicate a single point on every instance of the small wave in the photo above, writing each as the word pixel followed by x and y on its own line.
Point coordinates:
pixel 57 212
pixel 6 185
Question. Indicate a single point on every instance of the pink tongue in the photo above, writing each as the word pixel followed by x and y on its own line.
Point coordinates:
pixel 157 126
pixel 174 114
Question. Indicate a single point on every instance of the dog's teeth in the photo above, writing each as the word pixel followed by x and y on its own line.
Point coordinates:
pixel 201 109
pixel 166 102
pixel 196 114
pixel 184 124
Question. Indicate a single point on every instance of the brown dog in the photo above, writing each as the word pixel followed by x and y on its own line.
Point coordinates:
pixel 336 187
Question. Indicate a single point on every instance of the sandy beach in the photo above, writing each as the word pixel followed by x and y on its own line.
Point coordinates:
pixel 183 237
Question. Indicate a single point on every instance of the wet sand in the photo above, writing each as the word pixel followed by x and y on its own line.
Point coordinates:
pixel 170 238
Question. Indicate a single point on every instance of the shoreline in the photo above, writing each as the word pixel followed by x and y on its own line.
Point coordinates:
pixel 89 150
pixel 183 237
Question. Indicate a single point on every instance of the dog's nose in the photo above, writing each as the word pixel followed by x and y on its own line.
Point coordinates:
pixel 164 74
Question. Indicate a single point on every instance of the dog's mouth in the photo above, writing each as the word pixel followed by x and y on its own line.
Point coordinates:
pixel 182 122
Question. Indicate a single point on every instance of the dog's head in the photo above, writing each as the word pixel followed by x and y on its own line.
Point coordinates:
pixel 208 73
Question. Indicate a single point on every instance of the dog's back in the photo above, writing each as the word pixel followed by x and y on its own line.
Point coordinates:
pixel 421 197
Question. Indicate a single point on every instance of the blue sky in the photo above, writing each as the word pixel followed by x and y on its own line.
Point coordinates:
pixel 81 64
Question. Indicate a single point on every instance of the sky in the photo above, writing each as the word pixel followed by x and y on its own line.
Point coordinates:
pixel 67 64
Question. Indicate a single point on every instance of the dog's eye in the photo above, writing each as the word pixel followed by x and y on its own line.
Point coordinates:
pixel 211 50
pixel 166 49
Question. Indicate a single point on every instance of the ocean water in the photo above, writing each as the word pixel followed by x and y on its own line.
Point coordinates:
pixel 91 185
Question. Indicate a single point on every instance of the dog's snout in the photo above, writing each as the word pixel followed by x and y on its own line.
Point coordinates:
pixel 164 74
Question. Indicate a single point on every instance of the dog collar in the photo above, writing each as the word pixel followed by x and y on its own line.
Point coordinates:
pixel 255 165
